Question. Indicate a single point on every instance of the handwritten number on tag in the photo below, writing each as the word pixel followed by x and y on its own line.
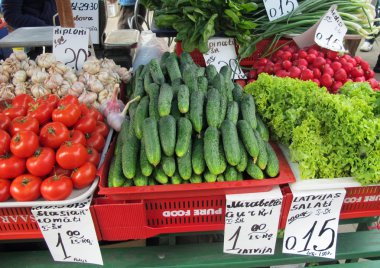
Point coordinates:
pixel 236 236
pixel 60 243
pixel 282 3
pixel 76 56
pixel 84 6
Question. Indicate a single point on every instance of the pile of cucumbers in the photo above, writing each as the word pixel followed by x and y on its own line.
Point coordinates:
pixel 191 125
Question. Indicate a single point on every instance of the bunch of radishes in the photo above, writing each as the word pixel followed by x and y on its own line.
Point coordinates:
pixel 324 67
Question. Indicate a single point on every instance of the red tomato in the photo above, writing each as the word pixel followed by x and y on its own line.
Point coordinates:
pixel 57 170
pixel 4 104
pixel 41 163
pixel 96 141
pixel 84 108
pixel 24 123
pixel 68 99
pixel 13 111
pixel 11 166
pixel 92 111
pixel 84 175
pixel 40 111
pixel 93 156
pixel 57 187
pixel 67 114
pixel 4 190
pixel 26 188
pixel 86 124
pixel 24 143
pixel 5 121
pixel 22 100
pixel 101 128
pixel 76 136
pixel 51 99
pixel 5 142
pixel 71 155
pixel 54 134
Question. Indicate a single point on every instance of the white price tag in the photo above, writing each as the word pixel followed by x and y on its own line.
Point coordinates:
pixel 279 8
pixel 252 223
pixel 70 45
pixel 69 232
pixel 331 31
pixel 86 15
pixel 222 52
pixel 312 223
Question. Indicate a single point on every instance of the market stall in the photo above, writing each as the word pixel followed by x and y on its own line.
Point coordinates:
pixel 258 127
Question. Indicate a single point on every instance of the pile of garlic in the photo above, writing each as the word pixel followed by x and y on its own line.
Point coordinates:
pixel 93 84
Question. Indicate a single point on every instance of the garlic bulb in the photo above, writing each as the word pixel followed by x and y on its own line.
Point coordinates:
pixel 19 76
pixel 31 70
pixel 20 88
pixel 96 105
pixel 59 68
pixel 46 60
pixel 70 76
pixel 124 74
pixel 38 90
pixel 24 65
pixel 87 97
pixel 4 77
pixel 76 89
pixel 95 86
pixel 104 77
pixel 6 91
pixel 19 55
pixel 91 66
pixel 54 81
pixel 63 89
pixel 39 77
pixel 11 66
pixel 103 96
pixel 107 64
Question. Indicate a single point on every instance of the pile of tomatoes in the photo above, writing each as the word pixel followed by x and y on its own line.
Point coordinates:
pixel 48 146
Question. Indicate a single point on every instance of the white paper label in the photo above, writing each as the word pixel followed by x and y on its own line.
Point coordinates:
pixel 252 223
pixel 331 31
pixel 86 15
pixel 69 232
pixel 222 52
pixel 70 45
pixel 312 223
pixel 279 8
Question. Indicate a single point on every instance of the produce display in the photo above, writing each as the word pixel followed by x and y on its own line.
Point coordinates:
pixel 93 84
pixel 48 146
pixel 247 21
pixel 324 67
pixel 191 125
pixel 329 135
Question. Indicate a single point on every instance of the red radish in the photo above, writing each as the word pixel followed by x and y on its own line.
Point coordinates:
pixel 336 65
pixel 252 74
pixel 336 86
pixel 347 66
pixel 301 62
pixel 340 75
pixel 317 73
pixel 328 70
pixel 311 58
pixel 295 56
pixel 302 54
pixel 369 74
pixel 306 74
pixel 263 62
pixel 358 59
pixel 286 55
pixel 359 79
pixel 294 72
pixel 326 80
pixel 365 65
pixel 268 68
pixel 250 81
pixel 357 72
pixel 316 81
pixel 282 73
pixel 312 51
pixel 277 66
pixel 286 64
pixel 240 82
pixel 332 54
pixel 373 82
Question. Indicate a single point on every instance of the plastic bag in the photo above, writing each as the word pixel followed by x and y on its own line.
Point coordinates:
pixel 149 47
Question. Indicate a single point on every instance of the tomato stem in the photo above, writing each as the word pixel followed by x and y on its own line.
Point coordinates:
pixel 25 181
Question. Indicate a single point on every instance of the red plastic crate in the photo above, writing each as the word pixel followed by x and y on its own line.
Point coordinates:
pixel 124 220
pixel 359 202
pixel 191 190
pixel 261 48
pixel 19 223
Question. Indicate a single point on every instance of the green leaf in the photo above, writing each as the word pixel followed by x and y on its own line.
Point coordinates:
pixel 248 25
pixel 231 14
pixel 249 7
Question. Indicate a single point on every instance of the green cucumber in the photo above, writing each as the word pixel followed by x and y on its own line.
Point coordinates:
pixel 183 98
pixel 202 84
pixel 151 141
pixel 129 155
pixel 156 71
pixel 231 174
pixel 145 166
pixel 184 165
pixel 248 138
pixel 262 159
pixel 196 179
pixel 241 167
pixel 233 111
pixel 168 165
pixel 173 67
pixel 168 134
pixel 248 110
pixel 213 107
pixel 197 160
pixel 165 100
pixel 254 171
pixel 196 110
pixel 160 176
pixel 141 113
pixel 231 142
pixel 153 101
pixel 184 130
pixel 273 166
pixel 209 177
pixel 262 129
pixel 211 150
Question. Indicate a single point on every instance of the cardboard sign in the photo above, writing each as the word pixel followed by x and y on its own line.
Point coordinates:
pixel 222 52
pixel 86 15
pixel 69 232
pixel 328 32
pixel 312 223
pixel 279 8
pixel 70 45
pixel 252 223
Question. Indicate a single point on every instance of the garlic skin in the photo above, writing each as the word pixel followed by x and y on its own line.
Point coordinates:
pixel 19 55
pixel 63 90
pixel 104 77
pixel 4 77
pixel 38 90
pixel 91 66
pixel 95 85
pixel 58 68
pixel 107 64
pixel 103 96
pixel 124 74
pixel 11 66
pixel 45 60
pixel 7 91
pixel 31 70
pixel 20 76
pixel 70 77
pixel 20 88
pixel 87 97
pixel 76 89
pixel 54 81
pixel 39 77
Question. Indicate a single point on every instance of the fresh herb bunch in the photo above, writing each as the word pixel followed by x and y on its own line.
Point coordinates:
pixel 329 135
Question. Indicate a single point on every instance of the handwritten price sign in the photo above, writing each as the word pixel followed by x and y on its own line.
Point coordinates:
pixel 279 8
pixel 69 232
pixel 252 222
pixel 331 31
pixel 86 15
pixel 312 223
pixel 222 52
pixel 70 45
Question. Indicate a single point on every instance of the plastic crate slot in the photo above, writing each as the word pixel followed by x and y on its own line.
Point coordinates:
pixel 180 220
pixel 184 220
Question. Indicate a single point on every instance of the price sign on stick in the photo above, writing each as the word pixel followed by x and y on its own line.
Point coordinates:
pixel 86 15
pixel 70 45
pixel 222 52
pixel 69 232
pixel 312 223
pixel 279 8
pixel 328 32
pixel 252 223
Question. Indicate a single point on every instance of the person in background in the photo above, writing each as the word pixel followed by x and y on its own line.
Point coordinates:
pixel 127 8
pixel 368 43
pixel 28 13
